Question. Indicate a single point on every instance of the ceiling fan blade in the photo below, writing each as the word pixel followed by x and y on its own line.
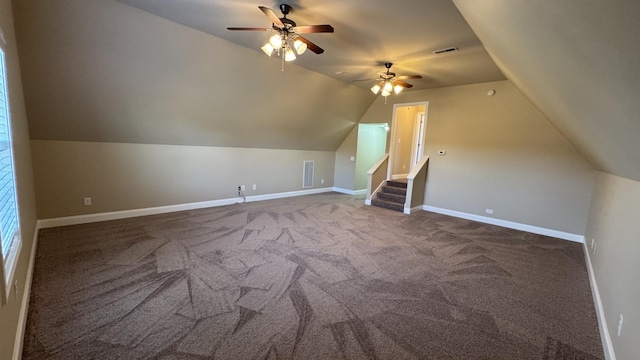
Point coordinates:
pixel 272 16
pixel 307 29
pixel 311 46
pixel 248 29
pixel 403 84
pixel 405 77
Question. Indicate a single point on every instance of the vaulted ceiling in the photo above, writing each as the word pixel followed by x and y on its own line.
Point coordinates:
pixel 368 33
pixel 578 62
pixel 166 71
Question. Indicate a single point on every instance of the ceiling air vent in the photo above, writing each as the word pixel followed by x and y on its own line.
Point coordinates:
pixel 449 49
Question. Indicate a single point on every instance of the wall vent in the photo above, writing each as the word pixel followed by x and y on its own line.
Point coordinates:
pixel 307 174
pixel 449 49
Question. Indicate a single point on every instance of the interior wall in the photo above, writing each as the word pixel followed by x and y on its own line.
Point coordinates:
pixel 404 125
pixel 9 312
pixel 132 176
pixel 575 61
pixel 103 71
pixel 613 223
pixel 372 142
pixel 501 154
pixel 345 171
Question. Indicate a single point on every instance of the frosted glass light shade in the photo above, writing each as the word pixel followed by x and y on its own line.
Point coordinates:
pixel 289 55
pixel 375 89
pixel 397 89
pixel 267 48
pixel 276 41
pixel 300 47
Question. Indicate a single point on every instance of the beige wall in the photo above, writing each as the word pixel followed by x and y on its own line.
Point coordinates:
pixel 502 154
pixel 133 176
pixel 345 172
pixel 103 71
pixel 613 223
pixel 575 61
pixel 372 142
pixel 9 312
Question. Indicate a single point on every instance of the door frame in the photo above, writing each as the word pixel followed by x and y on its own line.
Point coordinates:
pixel 392 138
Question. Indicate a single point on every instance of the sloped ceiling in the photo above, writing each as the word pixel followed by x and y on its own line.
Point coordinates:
pixel 578 61
pixel 103 71
pixel 367 34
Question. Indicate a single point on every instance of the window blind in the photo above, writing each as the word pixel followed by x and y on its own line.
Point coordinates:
pixel 8 204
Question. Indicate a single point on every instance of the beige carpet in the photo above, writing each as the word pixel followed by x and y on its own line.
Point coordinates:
pixel 312 277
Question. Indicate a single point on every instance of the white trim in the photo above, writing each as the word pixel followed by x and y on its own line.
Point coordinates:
pixel 115 215
pixel 399 176
pixel 410 211
pixel 26 295
pixel 368 201
pixel 605 337
pixel 350 192
pixel 378 163
pixel 508 224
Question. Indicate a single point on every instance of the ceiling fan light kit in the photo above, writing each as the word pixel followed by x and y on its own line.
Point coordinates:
pixel 388 82
pixel 287 42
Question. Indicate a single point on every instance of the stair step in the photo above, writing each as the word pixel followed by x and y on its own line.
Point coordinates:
pixel 394 190
pixel 399 183
pixel 398 199
pixel 387 205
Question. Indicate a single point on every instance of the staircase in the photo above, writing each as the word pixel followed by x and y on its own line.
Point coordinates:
pixel 392 195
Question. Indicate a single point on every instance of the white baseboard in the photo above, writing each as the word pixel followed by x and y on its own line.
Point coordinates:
pixel 24 306
pixel 605 337
pixel 350 192
pixel 367 202
pixel 115 215
pixel 413 209
pixel 508 224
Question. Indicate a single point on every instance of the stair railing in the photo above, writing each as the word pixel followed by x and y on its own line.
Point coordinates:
pixel 416 182
pixel 376 175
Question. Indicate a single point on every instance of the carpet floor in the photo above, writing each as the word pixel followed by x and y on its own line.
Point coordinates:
pixel 312 277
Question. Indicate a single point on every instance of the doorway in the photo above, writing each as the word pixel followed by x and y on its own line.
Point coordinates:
pixel 407 140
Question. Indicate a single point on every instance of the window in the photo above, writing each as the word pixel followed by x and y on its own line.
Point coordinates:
pixel 9 225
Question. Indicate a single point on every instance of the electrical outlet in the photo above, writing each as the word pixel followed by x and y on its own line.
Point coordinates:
pixel 242 187
pixel 87 201
pixel 321 181
pixel 254 186
pixel 352 158
pixel 620 325
pixel 489 211
pixel 593 249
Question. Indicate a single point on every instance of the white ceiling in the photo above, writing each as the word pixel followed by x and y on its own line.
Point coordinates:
pixel 367 34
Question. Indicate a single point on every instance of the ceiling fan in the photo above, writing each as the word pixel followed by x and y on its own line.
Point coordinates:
pixel 287 35
pixel 390 82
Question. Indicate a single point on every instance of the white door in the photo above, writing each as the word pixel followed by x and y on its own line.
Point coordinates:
pixel 419 148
